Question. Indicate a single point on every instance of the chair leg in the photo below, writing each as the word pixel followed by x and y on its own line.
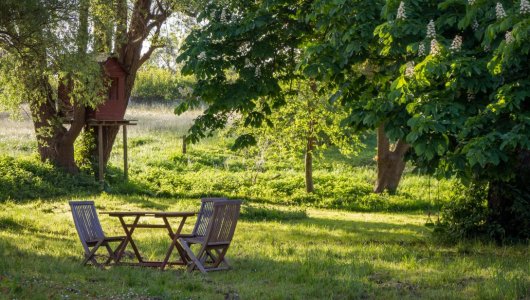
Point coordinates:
pixel 194 261
pixel 118 249
pixel 111 254
pixel 221 257
pixel 212 256
pixel 90 256
pixel 225 260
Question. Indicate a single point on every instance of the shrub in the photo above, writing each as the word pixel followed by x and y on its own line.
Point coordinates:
pixel 157 84
pixel 465 216
pixel 468 216
pixel 28 178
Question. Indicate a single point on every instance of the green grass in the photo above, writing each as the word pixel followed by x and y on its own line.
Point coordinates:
pixel 278 253
pixel 343 242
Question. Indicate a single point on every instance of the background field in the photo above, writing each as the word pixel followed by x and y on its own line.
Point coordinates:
pixel 343 242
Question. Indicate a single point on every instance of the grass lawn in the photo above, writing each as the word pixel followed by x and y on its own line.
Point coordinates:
pixel 323 254
pixel 341 243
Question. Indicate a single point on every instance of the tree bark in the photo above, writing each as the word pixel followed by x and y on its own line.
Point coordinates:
pixel 390 163
pixel 309 187
pixel 55 142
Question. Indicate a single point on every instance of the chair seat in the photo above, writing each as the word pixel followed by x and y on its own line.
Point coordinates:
pixel 194 239
pixel 107 239
pixel 200 240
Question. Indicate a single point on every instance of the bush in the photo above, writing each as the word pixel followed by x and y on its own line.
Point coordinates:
pixel 157 84
pixel 466 215
pixel 28 178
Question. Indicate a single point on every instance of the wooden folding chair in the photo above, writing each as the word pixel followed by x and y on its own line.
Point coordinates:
pixel 91 234
pixel 217 237
pixel 204 216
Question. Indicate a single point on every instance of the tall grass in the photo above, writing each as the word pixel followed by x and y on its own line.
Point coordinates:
pixel 159 168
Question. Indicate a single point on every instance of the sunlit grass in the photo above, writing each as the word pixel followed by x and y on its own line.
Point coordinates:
pixel 327 254
pixel 286 246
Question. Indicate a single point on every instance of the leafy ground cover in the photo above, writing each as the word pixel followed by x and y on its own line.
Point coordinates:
pixel 341 243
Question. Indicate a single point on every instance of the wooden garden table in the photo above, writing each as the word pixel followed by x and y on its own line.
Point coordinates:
pixel 129 229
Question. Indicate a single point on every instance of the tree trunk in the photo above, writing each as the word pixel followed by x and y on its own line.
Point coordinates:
pixel 55 142
pixel 390 163
pixel 129 49
pixel 309 187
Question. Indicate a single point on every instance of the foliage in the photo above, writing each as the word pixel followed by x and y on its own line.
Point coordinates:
pixel 306 115
pixel 475 75
pixel 465 216
pixel 160 84
pixel 43 52
pixel 83 147
pixel 438 75
pixel 27 178
pixel 454 95
pixel 237 64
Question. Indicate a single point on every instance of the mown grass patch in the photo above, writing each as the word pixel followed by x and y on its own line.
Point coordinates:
pixel 276 254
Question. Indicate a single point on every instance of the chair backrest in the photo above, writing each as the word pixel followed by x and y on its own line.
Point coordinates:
pixel 86 221
pixel 223 223
pixel 204 216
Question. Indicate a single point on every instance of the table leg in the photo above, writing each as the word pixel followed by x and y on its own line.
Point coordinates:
pixel 129 239
pixel 174 243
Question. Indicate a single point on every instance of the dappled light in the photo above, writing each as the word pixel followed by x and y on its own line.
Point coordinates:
pixel 278 149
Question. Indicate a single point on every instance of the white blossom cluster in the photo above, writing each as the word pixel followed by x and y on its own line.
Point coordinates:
pixel 431 30
pixel 212 15
pixel 470 2
pixel 421 50
pixel 475 25
pixel 202 56
pixel 435 48
pixel 244 48
pixel 524 8
pixel 401 14
pixel 509 37
pixel 223 17
pixel 409 70
pixel 186 91
pixel 257 72
pixel 499 11
pixel 233 18
pixel 456 45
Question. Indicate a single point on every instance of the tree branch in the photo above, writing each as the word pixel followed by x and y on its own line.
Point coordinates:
pixel 401 147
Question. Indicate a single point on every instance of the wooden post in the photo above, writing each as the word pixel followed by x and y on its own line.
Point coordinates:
pixel 101 174
pixel 125 163
pixel 184 144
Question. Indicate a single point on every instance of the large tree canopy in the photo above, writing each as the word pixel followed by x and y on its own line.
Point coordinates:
pixel 447 78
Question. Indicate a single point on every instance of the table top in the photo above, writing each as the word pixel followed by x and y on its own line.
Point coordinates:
pixel 150 213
